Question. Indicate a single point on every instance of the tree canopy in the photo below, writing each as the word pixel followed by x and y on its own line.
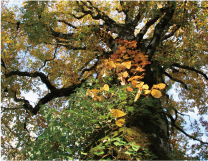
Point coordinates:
pixel 106 68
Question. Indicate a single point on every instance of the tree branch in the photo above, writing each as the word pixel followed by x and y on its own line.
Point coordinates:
pixel 63 92
pixel 143 31
pixel 99 15
pixel 61 35
pixel 176 27
pixel 67 23
pixel 2 63
pixel 190 68
pixel 159 30
pixel 42 76
pixel 128 19
pixel 180 129
pixel 54 56
pixel 177 80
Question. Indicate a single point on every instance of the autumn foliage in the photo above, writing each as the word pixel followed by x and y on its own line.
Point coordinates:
pixel 113 80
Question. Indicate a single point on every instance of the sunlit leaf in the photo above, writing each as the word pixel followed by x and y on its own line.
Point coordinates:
pixel 156 93
pixel 147 91
pixel 117 113
pixel 112 65
pixel 127 64
pixel 159 86
pixel 139 85
pixel 125 74
pixel 145 86
pixel 137 95
pixel 105 88
pixel 120 122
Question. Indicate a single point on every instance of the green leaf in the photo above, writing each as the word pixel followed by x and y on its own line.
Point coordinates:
pixel 99 152
pixel 118 143
pixel 130 109
pixel 42 137
pixel 149 103
pixel 129 152
pixel 135 147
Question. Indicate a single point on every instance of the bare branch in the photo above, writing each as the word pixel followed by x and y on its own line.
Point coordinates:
pixel 5 109
pixel 143 31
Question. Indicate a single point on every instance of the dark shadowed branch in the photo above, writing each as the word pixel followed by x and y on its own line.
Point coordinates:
pixel 42 76
pixel 181 130
pixel 190 68
pixel 177 80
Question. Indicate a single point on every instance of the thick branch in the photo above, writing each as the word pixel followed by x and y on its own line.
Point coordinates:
pixel 171 33
pixel 159 30
pixel 177 80
pixel 97 15
pixel 137 19
pixel 128 19
pixel 2 63
pixel 143 31
pixel 63 92
pixel 189 68
pixel 61 35
pixel 42 76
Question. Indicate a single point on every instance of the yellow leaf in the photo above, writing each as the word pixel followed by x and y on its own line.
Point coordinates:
pixel 134 83
pixel 112 65
pixel 156 93
pixel 140 69
pixel 89 93
pixel 119 67
pixel 125 57
pixel 92 93
pixel 127 64
pixel 139 85
pixel 125 74
pixel 146 91
pixel 145 86
pixel 120 122
pixel 136 77
pixel 101 98
pixel 159 86
pixel 105 88
pixel 123 82
pixel 137 95
pixel 117 113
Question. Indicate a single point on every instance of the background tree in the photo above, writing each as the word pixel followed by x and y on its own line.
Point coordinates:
pixel 96 55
